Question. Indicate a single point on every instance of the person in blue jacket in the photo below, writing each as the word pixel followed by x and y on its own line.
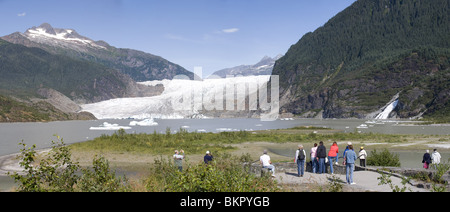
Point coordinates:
pixel 208 157
pixel 350 158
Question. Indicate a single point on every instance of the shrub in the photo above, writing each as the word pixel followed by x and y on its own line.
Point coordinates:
pixel 224 174
pixel 383 158
pixel 56 172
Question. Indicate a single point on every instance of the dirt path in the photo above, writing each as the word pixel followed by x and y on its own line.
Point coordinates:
pixel 365 181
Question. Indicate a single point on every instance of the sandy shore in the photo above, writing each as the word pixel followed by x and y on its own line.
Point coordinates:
pixel 9 163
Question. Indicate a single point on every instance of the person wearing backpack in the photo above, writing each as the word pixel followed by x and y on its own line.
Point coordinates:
pixel 300 158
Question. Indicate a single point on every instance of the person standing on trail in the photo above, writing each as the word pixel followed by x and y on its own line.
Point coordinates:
pixel 333 154
pixel 314 161
pixel 300 158
pixel 350 157
pixel 266 163
pixel 178 159
pixel 436 158
pixel 426 159
pixel 321 155
pixel 362 157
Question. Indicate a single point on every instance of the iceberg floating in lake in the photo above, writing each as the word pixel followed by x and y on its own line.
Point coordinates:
pixel 362 126
pixel 108 126
pixel 286 119
pixel 145 123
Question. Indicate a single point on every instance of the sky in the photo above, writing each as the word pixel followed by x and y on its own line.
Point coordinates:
pixel 212 34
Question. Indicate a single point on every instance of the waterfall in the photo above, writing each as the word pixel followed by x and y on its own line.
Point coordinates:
pixel 387 110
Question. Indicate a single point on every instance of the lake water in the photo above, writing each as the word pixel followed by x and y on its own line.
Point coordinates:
pixel 41 134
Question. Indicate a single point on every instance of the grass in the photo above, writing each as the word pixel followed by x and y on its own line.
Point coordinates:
pixel 195 142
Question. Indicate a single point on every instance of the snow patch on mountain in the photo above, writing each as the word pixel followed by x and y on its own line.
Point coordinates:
pixel 45 34
pixel 263 67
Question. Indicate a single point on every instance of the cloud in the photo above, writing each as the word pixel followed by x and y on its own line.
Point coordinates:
pixel 231 30
pixel 22 14
pixel 174 37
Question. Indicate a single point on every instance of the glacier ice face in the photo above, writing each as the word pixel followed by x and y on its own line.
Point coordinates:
pixel 201 93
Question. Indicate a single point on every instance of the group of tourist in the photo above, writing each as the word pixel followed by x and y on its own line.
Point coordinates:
pixel 320 157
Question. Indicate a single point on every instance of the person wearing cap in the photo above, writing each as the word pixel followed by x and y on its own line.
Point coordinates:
pixel 266 163
pixel 345 151
pixel 300 158
pixel 208 157
pixel 362 157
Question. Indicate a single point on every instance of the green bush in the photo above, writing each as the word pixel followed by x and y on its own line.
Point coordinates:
pixel 224 174
pixel 383 158
pixel 56 172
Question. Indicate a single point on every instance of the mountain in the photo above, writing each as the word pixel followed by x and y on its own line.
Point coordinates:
pixel 263 67
pixel 14 110
pixel 56 84
pixel 366 55
pixel 140 66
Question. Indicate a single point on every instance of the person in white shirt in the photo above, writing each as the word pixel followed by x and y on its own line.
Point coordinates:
pixel 362 157
pixel 178 159
pixel 266 163
pixel 436 158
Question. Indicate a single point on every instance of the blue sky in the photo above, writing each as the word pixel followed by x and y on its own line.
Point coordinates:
pixel 213 34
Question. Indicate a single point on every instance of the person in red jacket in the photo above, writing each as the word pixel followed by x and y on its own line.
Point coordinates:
pixel 333 154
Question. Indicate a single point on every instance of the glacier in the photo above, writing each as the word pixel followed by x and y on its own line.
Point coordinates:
pixel 176 90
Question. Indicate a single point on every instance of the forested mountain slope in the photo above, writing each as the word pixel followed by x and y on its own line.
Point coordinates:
pixel 362 57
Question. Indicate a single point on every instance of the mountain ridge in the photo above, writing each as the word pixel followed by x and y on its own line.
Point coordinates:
pixel 263 67
pixel 34 77
pixel 356 62
pixel 139 65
